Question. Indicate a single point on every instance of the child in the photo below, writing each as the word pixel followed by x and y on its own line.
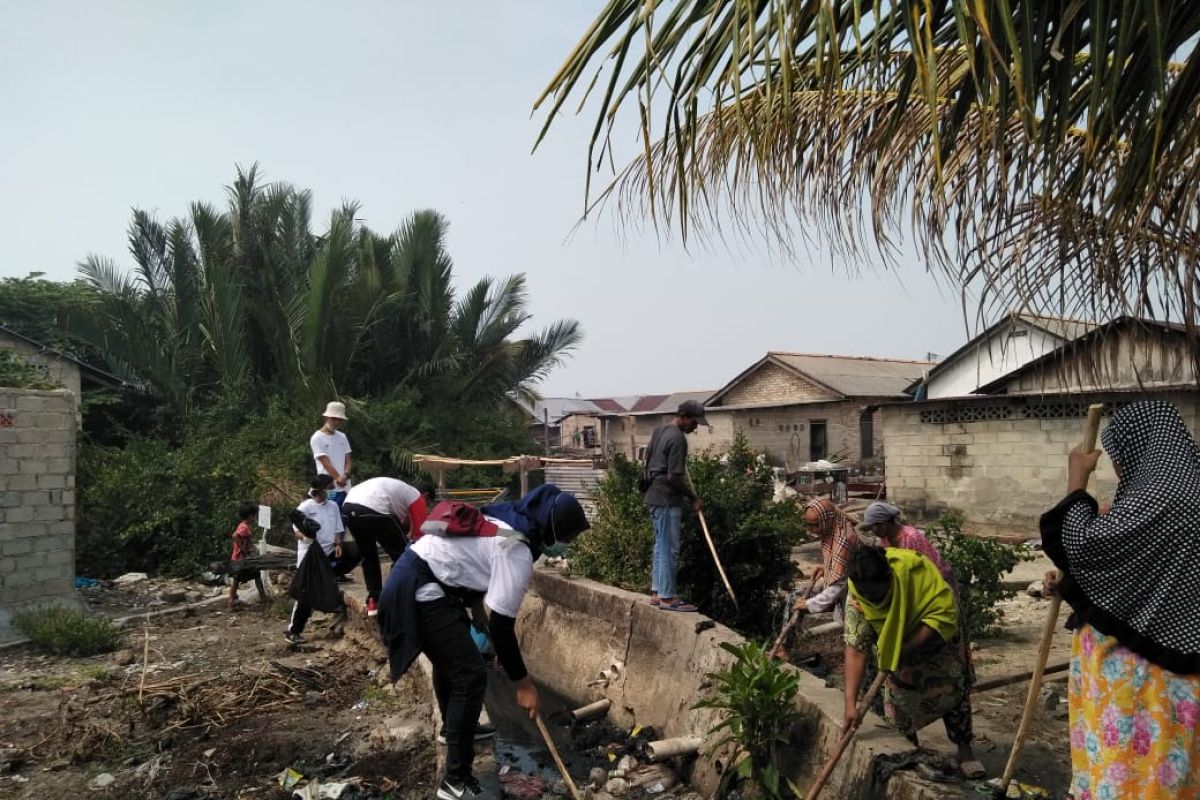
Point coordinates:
pixel 243 547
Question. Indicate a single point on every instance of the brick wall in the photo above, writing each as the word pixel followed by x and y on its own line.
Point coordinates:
pixel 55 368
pixel 998 474
pixel 37 499
pixel 772 383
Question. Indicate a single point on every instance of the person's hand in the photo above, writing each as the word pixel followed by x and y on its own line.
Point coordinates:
pixel 818 573
pixel 1105 508
pixel 527 696
pixel 801 604
pixel 1050 581
pixel 850 718
pixel 342 480
pixel 337 549
pixel 1080 465
pixel 697 505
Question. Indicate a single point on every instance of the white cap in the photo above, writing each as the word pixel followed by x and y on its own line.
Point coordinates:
pixel 336 410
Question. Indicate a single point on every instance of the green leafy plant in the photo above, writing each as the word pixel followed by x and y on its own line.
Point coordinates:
pixel 753 536
pixel 67 632
pixel 980 566
pixel 17 373
pixel 756 696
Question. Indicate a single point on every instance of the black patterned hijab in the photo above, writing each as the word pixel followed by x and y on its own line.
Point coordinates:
pixel 1139 564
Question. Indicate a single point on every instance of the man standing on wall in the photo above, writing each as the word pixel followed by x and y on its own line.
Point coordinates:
pixel 668 493
pixel 331 451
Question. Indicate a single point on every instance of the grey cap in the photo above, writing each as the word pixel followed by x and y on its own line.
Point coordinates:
pixel 694 409
pixel 879 512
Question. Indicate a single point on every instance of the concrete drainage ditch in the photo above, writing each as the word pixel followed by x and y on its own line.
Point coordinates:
pixel 586 642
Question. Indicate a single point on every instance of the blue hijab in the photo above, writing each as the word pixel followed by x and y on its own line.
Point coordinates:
pixel 545 515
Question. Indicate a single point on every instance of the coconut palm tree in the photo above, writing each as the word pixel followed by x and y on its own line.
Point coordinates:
pixel 1047 154
pixel 220 303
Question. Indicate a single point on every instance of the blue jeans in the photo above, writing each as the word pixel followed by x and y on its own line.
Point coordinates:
pixel 667 522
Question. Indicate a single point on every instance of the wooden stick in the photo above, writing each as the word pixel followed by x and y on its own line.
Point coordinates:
pixel 145 656
pixel 790 623
pixel 847 736
pixel 712 548
pixel 562 768
pixel 1091 430
pixel 1009 680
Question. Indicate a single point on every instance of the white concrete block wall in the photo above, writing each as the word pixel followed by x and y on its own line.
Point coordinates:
pixel 37 499
pixel 999 475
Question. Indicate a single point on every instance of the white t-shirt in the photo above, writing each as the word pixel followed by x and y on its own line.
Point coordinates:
pixel 334 445
pixel 385 495
pixel 501 566
pixel 329 517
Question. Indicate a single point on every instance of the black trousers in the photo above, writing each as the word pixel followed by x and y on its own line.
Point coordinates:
pixel 459 678
pixel 370 528
pixel 342 566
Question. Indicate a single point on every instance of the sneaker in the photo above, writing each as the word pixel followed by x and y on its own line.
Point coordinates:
pixel 467 790
pixel 483 732
pixel 293 638
pixel 372 606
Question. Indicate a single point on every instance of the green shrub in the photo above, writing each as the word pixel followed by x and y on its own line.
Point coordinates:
pixel 979 566
pixel 67 632
pixel 756 694
pixel 753 537
pixel 619 548
pixel 17 373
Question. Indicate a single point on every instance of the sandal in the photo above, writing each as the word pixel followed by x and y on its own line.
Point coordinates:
pixel 972 770
pixel 677 605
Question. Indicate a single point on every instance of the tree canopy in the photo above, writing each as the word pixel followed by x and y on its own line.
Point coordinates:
pixel 1046 154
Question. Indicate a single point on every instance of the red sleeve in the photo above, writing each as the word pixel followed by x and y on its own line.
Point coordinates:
pixel 417 512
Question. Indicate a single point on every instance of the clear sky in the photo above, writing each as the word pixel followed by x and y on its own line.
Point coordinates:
pixel 106 106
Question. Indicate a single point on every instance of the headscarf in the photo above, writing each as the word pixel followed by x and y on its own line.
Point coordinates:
pixel 838 540
pixel 1135 571
pixel 918 595
pixel 545 515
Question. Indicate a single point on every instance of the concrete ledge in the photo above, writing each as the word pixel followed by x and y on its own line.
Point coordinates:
pixel 573 629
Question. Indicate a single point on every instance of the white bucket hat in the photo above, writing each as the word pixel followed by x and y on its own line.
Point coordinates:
pixel 336 410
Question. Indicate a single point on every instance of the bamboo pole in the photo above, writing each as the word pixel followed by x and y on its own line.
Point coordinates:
pixel 1091 430
pixel 712 548
pixel 558 762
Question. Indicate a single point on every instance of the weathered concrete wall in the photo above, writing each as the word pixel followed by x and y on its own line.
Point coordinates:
pixel 999 474
pixel 37 500
pixel 572 629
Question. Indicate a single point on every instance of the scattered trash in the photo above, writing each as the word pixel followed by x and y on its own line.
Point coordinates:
pixel 518 786
pixel 130 577
pixel 123 658
pixel 1017 790
pixel 18 779
pixel 209 752
pixel 361 705
pixel 103 780
pixel 617 786
pixel 597 777
pixel 85 583
pixel 289 778
pixel 315 790
pixel 341 738
pixel 1049 698
pixel 504 770
pixel 173 595
pixel 1036 589
pixel 1032 544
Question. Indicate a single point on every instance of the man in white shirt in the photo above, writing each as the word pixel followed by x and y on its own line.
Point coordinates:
pixel 330 537
pixel 331 451
pixel 382 512
pixel 423 609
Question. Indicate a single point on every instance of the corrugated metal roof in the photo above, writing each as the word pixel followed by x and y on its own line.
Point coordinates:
pixel 648 403
pixel 855 376
pixel 607 404
pixel 1062 327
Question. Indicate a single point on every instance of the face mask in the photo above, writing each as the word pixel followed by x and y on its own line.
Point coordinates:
pixel 556 550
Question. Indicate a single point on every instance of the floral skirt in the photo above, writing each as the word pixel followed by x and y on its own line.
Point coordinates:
pixel 1133 724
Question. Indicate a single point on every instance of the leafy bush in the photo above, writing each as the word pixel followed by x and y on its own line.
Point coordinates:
pixel 164 501
pixel 756 695
pixel 753 537
pixel 980 566
pixel 67 632
pixel 619 548
pixel 17 373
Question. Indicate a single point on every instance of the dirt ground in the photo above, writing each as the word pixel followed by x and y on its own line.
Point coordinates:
pixel 1045 759
pixel 208 704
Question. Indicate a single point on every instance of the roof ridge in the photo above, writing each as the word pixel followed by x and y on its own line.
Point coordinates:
pixel 1055 317
pixel 849 358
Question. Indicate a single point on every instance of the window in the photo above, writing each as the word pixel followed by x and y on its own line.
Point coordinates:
pixel 866 434
pixel 818 447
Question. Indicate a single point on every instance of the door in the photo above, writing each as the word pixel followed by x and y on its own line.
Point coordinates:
pixel 817 445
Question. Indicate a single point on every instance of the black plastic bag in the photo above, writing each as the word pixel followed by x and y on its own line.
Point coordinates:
pixel 314 584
